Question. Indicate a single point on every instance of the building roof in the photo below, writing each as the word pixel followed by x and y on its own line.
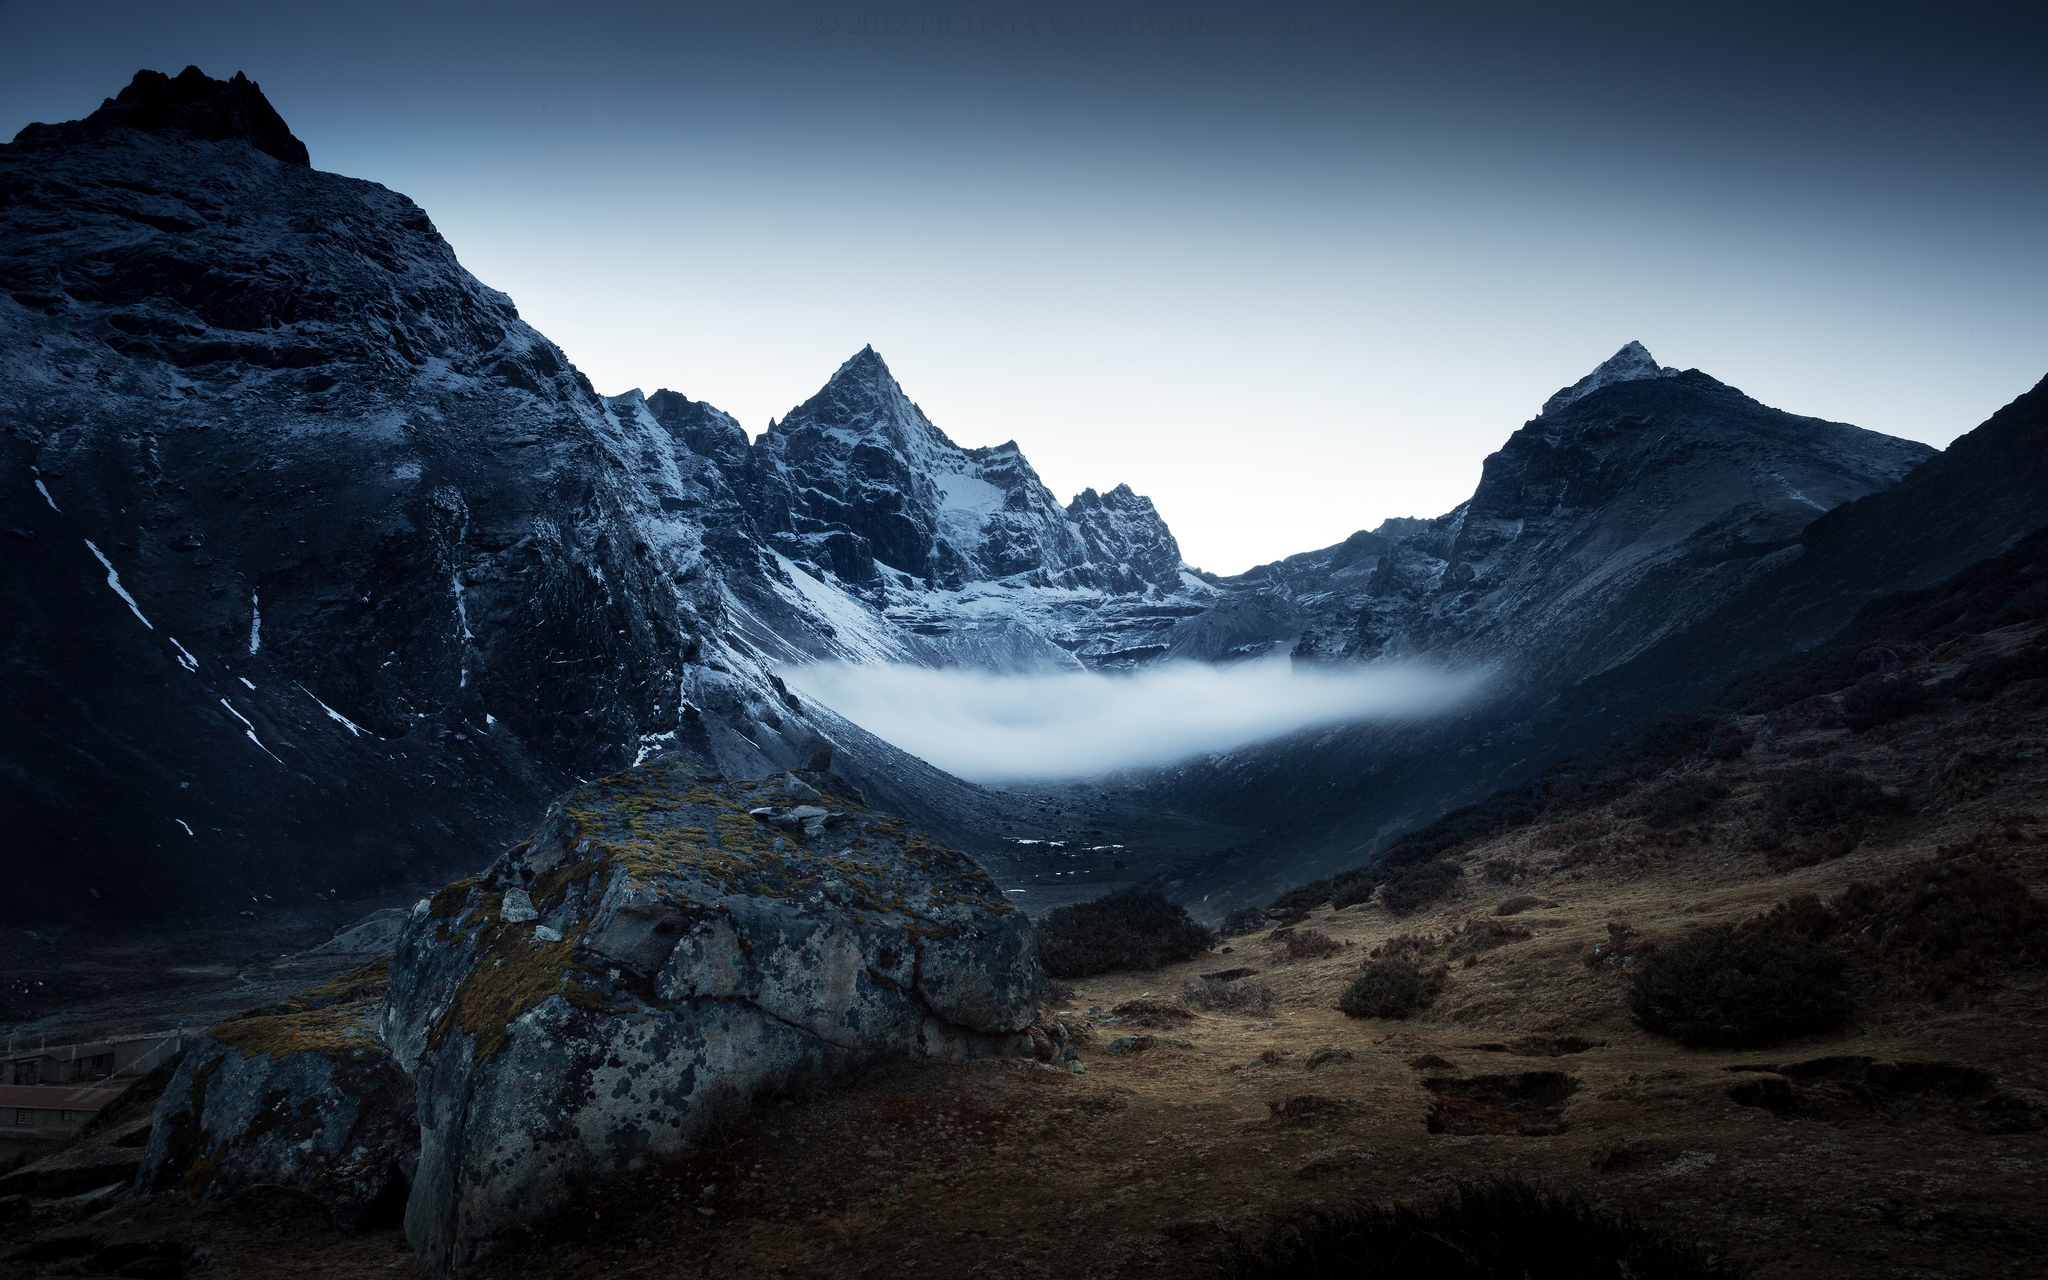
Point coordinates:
pixel 62 1097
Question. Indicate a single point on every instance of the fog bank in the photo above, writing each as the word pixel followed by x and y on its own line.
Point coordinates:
pixel 1070 724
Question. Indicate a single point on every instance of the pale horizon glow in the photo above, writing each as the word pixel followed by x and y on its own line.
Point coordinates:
pixel 1017 727
pixel 1285 285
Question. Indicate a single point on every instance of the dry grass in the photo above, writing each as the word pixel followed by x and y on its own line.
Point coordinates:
pixel 1906 1143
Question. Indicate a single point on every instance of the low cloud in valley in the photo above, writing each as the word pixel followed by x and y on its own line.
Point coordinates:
pixel 1068 724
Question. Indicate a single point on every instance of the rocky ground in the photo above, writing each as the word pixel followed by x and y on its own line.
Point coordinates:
pixel 1189 1135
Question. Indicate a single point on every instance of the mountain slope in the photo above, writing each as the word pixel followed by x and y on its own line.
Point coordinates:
pixel 1335 797
pixel 326 569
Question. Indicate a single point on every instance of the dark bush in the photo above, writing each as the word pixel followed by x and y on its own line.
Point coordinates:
pixel 1880 699
pixel 1740 988
pixel 1353 886
pixel 1309 944
pixel 1239 996
pixel 1406 946
pixel 1413 888
pixel 1244 920
pixel 1296 903
pixel 1128 929
pixel 1680 799
pixel 1803 914
pixel 1340 890
pixel 1516 906
pixel 1482 934
pixel 1499 1230
pixel 1821 811
pixel 1945 923
pixel 1390 989
pixel 1729 742
pixel 1156 1014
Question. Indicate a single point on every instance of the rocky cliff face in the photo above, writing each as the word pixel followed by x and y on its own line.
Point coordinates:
pixel 325 569
pixel 870 536
pixel 1332 799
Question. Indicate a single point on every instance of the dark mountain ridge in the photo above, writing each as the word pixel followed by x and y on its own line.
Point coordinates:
pixel 326 570
pixel 1341 797
pixel 329 570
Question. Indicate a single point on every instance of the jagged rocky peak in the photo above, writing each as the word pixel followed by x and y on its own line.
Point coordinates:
pixel 857 481
pixel 347 500
pixel 703 428
pixel 1630 364
pixel 1123 532
pixel 191 103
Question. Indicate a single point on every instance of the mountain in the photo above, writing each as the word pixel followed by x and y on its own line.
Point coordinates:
pixel 1332 799
pixel 324 569
pixel 906 547
pixel 1630 508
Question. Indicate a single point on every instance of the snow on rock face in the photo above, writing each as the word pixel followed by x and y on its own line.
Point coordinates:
pixel 242 379
pixel 855 529
pixel 1129 547
pixel 858 481
pixel 1632 362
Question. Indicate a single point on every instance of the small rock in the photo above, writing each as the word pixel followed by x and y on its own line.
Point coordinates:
pixel 547 933
pixel 517 907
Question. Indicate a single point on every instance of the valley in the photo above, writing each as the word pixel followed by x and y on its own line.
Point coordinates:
pixel 421 736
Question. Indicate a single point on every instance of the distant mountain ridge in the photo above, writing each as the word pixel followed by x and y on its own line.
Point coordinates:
pixel 327 569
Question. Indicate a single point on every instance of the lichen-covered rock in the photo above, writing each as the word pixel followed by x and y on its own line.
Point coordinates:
pixel 302 1095
pixel 698 944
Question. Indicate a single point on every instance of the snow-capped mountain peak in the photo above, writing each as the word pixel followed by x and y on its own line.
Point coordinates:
pixel 1630 364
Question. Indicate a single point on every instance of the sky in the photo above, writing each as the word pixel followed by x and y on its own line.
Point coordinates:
pixel 1288 269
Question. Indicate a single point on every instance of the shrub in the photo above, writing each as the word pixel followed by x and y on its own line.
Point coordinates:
pixel 1729 742
pixel 1516 906
pixel 1406 946
pixel 1481 934
pixel 1350 887
pixel 1946 923
pixel 1819 811
pixel 1740 988
pixel 1416 887
pixel 1680 799
pixel 1227 997
pixel 1309 944
pixel 1156 1014
pixel 1880 699
pixel 1340 890
pixel 1950 921
pixel 1825 796
pixel 1296 903
pixel 1242 921
pixel 1390 989
pixel 1480 1231
pixel 1505 870
pixel 1128 929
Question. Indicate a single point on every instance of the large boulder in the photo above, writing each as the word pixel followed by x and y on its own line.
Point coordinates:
pixel 665 949
pixel 302 1095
